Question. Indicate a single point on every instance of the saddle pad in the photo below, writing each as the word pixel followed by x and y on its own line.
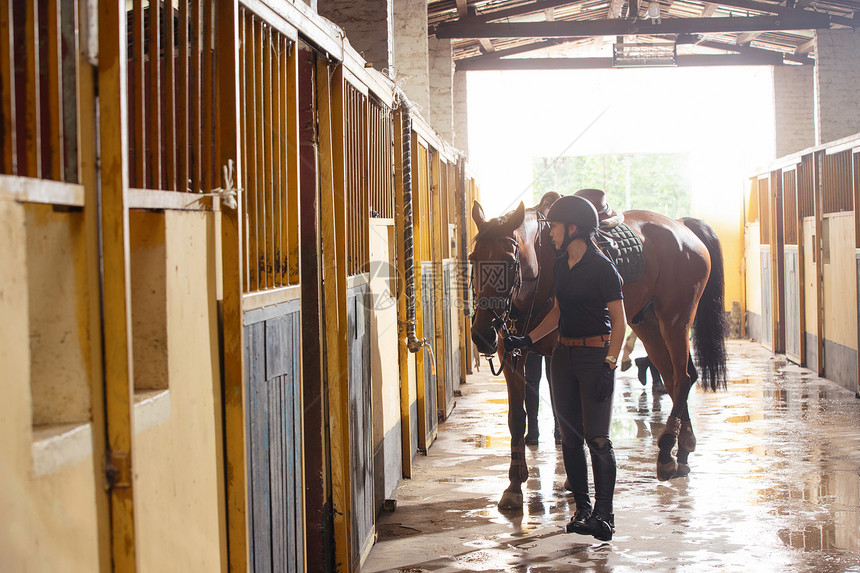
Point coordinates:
pixel 627 254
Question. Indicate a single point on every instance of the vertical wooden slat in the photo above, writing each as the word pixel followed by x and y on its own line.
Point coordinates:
pixel 283 151
pixel 154 117
pixel 119 376
pixel 244 142
pixel 169 115
pixel 182 169
pixel 232 372
pixel 72 102
pixel 277 165
pixel 51 71
pixel 8 153
pixel 208 170
pixel 250 158
pixel 138 178
pixel 293 172
pixel 194 158
pixel 27 90
pixel 268 178
pixel 259 152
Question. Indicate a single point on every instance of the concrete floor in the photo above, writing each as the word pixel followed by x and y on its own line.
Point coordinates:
pixel 775 483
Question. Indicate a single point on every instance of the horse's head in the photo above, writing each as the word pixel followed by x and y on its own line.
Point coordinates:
pixel 495 273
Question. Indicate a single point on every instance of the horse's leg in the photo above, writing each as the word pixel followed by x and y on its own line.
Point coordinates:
pixel 686 437
pixel 651 336
pixel 678 343
pixel 512 498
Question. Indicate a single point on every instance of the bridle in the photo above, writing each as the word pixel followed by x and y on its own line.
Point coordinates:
pixel 503 321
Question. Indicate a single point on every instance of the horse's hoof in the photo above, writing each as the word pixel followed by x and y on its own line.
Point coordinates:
pixel 511 500
pixel 683 470
pixel 666 471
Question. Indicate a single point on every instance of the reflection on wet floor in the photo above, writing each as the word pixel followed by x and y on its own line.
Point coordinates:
pixel 775 484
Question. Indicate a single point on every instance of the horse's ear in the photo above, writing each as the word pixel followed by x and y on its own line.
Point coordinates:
pixel 478 215
pixel 515 219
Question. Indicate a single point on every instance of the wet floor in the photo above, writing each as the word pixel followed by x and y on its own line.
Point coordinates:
pixel 775 483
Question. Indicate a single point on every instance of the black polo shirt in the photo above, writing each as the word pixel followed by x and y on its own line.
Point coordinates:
pixel 583 292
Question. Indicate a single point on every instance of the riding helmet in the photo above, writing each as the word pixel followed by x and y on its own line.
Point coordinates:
pixel 574 210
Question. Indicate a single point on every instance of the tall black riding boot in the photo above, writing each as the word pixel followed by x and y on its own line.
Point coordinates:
pixel 601 524
pixel 576 468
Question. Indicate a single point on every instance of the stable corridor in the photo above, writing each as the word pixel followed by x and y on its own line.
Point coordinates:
pixel 775 483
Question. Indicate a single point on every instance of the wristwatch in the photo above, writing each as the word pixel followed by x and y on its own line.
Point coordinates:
pixel 612 360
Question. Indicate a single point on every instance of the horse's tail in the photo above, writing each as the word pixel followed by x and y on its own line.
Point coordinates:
pixel 709 328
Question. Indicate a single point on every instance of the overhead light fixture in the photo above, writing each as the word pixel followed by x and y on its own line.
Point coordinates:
pixel 644 55
pixel 654 11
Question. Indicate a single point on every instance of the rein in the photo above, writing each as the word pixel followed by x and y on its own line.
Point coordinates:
pixel 503 322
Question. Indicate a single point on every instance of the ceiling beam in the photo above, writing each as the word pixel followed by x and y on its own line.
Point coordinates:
pixel 615 9
pixel 523 49
pixel 805 47
pixel 622 27
pixel 798 58
pixel 746 38
pixel 530 8
pixel 487 44
pixel 700 60
pixel 782 10
pixel 462 8
pixel 708 10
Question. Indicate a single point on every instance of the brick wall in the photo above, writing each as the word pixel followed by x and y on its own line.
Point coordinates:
pixel 837 81
pixel 794 108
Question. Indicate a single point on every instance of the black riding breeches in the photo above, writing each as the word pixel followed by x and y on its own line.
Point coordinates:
pixel 577 373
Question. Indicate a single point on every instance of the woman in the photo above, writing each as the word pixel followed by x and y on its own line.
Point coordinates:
pixel 591 332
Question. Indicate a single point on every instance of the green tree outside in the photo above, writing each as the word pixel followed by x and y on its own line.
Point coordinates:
pixel 652 182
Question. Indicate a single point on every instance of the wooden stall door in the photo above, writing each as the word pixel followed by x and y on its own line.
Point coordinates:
pixel 428 303
pixel 360 424
pixel 793 332
pixel 766 300
pixel 275 489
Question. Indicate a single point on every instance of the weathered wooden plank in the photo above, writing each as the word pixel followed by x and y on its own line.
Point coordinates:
pixel 235 396
pixel 292 445
pixel 276 467
pixel 332 217
pixel 118 373
pixel 260 443
pixel 259 154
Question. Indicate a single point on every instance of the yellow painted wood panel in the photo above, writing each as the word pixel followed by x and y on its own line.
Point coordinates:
pixel 840 286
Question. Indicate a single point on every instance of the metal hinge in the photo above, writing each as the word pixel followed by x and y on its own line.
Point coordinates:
pixel 118 470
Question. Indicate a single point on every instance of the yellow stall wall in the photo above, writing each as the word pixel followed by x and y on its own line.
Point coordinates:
pixel 752 262
pixel 47 498
pixel 383 353
pixel 178 494
pixel 839 279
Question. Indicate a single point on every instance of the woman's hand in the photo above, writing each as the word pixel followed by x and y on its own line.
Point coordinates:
pixel 605 383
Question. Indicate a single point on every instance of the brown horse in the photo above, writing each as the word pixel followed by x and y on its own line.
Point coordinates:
pixel 682 286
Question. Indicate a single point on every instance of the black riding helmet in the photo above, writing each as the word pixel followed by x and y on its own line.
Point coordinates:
pixel 574 210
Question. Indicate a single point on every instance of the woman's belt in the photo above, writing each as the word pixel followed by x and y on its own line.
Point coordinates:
pixel 599 341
